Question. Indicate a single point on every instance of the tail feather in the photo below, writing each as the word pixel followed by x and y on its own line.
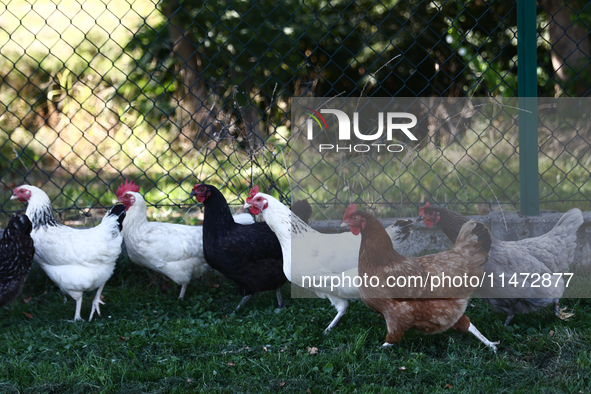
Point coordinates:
pixel 405 228
pixel 400 231
pixel 473 244
pixel 303 210
pixel 573 219
pixel 559 244
pixel 475 235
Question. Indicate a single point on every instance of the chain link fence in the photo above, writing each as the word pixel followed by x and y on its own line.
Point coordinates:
pixel 173 93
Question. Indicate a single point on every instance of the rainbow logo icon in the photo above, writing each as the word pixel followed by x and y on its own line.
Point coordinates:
pixel 317 117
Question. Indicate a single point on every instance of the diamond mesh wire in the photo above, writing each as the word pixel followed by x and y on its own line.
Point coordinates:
pixel 173 93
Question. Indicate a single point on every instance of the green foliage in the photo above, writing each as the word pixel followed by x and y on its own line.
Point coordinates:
pixel 446 48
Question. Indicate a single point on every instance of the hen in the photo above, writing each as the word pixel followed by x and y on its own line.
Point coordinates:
pixel 402 308
pixel 302 209
pixel 174 250
pixel 249 255
pixel 549 253
pixel 16 257
pixel 317 255
pixel 76 260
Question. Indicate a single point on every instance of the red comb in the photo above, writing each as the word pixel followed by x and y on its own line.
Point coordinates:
pixel 253 192
pixel 125 187
pixel 350 209
pixel 422 209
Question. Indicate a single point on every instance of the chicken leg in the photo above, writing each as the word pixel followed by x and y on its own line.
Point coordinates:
pixel 465 325
pixel 243 301
pixel 280 302
pixel 341 306
pixel 77 296
pixel 183 289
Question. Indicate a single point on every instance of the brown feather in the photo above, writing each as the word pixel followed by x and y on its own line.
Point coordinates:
pixel 401 308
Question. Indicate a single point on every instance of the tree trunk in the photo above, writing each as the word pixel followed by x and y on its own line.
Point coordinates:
pixel 252 119
pixel 570 47
pixel 196 120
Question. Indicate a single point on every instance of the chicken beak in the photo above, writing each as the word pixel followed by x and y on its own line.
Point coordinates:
pixel 13 197
pixel 247 205
pixel 421 217
pixel 344 224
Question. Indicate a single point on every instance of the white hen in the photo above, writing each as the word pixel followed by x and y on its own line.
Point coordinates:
pixel 76 260
pixel 317 254
pixel 174 250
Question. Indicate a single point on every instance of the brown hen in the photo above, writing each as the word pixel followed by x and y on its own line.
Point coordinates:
pixel 417 306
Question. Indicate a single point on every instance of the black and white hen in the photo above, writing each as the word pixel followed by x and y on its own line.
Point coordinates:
pixel 76 260
pixel 16 256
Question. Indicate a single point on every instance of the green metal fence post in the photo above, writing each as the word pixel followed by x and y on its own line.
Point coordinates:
pixel 528 121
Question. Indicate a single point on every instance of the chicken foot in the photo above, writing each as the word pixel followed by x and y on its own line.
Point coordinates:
pixel 473 330
pixel 247 297
pixel 96 302
pixel 560 312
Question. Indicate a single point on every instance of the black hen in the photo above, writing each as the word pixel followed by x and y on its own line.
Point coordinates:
pixel 250 255
pixel 16 257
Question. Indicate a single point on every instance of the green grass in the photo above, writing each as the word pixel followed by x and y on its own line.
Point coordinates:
pixel 149 342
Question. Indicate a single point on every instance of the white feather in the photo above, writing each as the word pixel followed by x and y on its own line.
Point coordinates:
pixel 316 254
pixel 76 260
pixel 174 250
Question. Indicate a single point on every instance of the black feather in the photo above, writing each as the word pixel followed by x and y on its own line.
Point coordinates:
pixel 249 255
pixel 16 256
pixel 43 217
pixel 118 210
pixel 303 210
pixel 406 228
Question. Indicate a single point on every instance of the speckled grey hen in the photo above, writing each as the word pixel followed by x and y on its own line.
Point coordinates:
pixel 550 253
